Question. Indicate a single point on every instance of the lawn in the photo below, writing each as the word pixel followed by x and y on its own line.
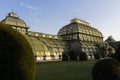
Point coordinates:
pixel 64 70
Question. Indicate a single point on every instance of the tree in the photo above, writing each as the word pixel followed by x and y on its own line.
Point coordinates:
pixel 83 56
pixel 106 69
pixel 117 54
pixel 16 57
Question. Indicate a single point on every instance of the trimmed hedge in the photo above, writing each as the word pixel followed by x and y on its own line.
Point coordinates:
pixel 83 56
pixel 16 57
pixel 106 69
pixel 117 54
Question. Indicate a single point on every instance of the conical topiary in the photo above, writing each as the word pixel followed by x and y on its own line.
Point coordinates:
pixel 16 56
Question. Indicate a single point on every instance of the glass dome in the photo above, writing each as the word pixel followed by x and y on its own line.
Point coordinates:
pixel 13 19
pixel 79 29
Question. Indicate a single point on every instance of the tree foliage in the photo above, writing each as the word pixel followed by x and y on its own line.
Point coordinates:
pixel 16 56
pixel 83 56
pixel 117 54
pixel 106 69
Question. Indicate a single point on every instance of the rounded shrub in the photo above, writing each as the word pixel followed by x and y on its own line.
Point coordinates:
pixel 97 56
pixel 83 56
pixel 117 54
pixel 106 69
pixel 16 57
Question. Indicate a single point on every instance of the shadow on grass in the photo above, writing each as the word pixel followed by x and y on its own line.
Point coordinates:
pixel 64 70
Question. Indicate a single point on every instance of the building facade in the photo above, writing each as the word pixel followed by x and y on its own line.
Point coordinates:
pixel 46 47
pixel 75 41
pixel 82 39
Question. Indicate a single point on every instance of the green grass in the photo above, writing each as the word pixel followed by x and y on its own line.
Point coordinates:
pixel 64 70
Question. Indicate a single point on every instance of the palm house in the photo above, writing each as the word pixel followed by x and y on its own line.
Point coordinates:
pixel 75 41
pixel 82 39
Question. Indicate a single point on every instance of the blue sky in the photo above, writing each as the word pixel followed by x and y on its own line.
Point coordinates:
pixel 48 16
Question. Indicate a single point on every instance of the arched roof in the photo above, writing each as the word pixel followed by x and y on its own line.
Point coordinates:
pixel 79 26
pixel 44 45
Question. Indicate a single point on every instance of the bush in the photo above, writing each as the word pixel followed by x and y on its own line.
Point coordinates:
pixel 97 56
pixel 16 57
pixel 72 55
pixel 117 54
pixel 83 56
pixel 106 69
pixel 65 57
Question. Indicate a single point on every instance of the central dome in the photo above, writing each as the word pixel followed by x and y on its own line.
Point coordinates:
pixel 80 29
pixel 79 26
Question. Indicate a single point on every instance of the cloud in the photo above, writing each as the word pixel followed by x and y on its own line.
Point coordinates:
pixel 28 6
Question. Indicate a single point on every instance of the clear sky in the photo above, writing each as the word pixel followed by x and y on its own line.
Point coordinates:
pixel 48 16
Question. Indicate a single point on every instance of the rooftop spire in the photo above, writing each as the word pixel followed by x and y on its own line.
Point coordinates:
pixel 12 14
pixel 79 21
